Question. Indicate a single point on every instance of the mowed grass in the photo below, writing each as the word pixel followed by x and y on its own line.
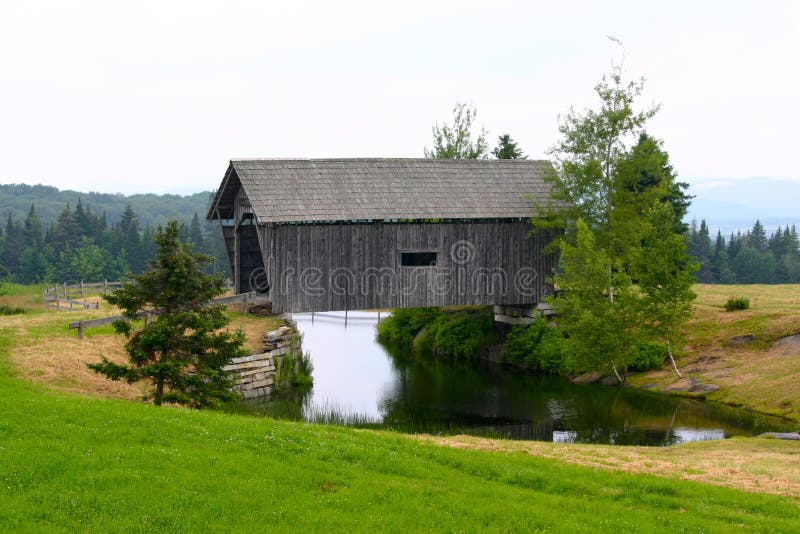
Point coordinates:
pixel 753 374
pixel 74 463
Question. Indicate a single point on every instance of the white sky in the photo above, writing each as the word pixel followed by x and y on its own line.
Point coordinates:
pixel 158 96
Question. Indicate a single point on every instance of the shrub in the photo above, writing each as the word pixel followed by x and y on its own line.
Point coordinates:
pixel 650 355
pixel 737 303
pixel 9 310
pixel 536 345
pixel 404 324
pixel 453 333
pixel 463 335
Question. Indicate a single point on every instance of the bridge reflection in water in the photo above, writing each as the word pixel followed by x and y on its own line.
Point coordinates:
pixel 359 380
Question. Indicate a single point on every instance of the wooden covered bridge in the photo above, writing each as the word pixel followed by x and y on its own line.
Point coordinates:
pixel 354 234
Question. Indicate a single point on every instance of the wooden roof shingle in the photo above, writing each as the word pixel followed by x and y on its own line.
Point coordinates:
pixel 309 190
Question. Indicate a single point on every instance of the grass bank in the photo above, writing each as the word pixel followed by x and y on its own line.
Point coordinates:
pixel 736 351
pixel 75 463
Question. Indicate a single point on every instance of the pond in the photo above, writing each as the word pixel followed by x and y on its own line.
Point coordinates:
pixel 357 381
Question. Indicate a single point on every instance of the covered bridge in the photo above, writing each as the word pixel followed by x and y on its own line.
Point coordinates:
pixel 350 234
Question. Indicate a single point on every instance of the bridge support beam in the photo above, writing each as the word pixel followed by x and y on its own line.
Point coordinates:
pixel 521 313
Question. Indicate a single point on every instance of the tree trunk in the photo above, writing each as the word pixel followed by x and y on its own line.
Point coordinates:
pixel 614 367
pixel 159 391
pixel 674 365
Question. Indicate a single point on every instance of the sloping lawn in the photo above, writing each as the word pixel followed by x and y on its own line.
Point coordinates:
pixel 72 463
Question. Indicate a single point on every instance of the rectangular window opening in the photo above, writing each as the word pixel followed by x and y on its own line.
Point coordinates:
pixel 418 259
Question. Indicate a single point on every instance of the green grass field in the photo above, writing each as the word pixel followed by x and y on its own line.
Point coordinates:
pixel 75 462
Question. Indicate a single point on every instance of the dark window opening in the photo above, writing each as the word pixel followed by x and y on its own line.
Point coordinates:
pixel 417 259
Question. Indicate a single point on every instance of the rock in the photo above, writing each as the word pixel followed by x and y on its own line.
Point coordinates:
pixel 702 388
pixel 261 309
pixel 684 384
pixel 609 381
pixel 273 334
pixel 780 435
pixel 787 346
pixel 738 341
pixel 587 378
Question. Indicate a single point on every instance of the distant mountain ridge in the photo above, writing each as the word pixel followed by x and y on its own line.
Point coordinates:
pixel 151 209
pixel 734 205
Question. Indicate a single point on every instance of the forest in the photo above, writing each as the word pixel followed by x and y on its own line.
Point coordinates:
pixel 80 244
pixel 749 258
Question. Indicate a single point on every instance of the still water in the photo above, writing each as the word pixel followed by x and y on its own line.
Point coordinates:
pixel 356 379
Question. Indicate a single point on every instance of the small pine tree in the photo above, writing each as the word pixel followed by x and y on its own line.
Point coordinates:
pixel 507 149
pixel 183 350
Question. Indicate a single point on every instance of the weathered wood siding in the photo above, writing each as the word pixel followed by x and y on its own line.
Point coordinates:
pixel 249 257
pixel 357 266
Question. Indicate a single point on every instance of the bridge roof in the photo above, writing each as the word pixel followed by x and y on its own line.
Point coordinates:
pixel 317 190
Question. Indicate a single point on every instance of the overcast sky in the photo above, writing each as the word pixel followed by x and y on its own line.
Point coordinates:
pixel 158 96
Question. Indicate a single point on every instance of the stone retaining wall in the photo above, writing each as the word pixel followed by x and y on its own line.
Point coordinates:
pixel 255 374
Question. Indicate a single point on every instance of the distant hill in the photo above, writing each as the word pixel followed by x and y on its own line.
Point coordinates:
pixel 150 208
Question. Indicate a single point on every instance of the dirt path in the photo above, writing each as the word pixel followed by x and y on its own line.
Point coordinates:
pixel 749 464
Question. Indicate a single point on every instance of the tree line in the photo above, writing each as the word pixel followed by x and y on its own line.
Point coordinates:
pixel 749 258
pixel 81 245
pixel 150 208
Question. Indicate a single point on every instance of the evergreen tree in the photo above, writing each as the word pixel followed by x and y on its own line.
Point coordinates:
pixel 758 237
pixel 183 350
pixel 13 246
pixel 699 247
pixel 33 233
pixel 507 148
pixel 196 234
pixel 67 233
pixel 649 168
pixel 720 262
pixel 130 240
pixel 752 266
pixel 455 141
pixel 734 244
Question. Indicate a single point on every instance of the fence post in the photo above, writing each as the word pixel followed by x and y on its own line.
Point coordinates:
pixel 81 288
pixel 105 286
pixel 245 303
pixel 80 330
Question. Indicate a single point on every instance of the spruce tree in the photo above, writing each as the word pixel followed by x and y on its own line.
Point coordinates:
pixel 183 350
pixel 758 237
pixel 507 149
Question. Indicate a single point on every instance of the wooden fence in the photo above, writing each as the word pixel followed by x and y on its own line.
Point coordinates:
pixel 65 296
pixel 246 299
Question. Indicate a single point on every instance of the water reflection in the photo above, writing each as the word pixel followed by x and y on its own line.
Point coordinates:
pixel 356 379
